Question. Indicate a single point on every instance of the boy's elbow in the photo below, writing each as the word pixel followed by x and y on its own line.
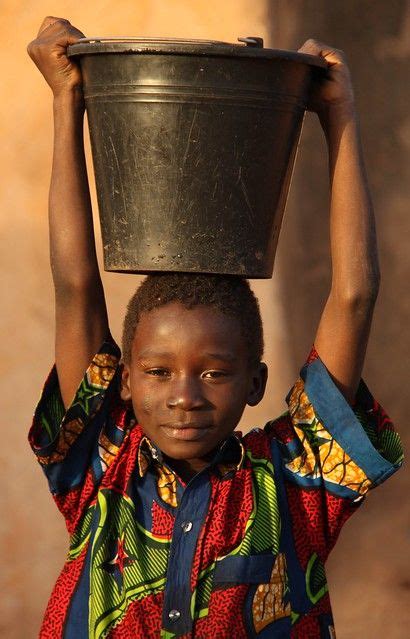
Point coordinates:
pixel 73 287
pixel 362 297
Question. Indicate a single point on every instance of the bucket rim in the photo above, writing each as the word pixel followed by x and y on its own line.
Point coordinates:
pixel 184 46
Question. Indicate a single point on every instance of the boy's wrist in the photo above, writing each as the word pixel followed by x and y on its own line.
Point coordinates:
pixel 71 100
pixel 336 116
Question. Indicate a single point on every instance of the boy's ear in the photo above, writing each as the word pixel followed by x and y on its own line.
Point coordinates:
pixel 125 384
pixel 259 379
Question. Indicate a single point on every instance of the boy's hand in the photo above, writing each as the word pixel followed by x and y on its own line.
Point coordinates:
pixel 334 89
pixel 49 52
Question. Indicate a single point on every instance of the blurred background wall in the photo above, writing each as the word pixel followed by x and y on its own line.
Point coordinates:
pixel 369 570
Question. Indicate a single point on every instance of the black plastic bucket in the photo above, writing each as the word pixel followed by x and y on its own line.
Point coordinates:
pixel 193 146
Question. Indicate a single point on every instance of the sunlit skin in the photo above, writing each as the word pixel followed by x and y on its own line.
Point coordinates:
pixel 190 367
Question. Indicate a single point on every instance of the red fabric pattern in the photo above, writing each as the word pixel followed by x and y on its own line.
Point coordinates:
pixel 258 444
pixel 118 474
pixel 307 628
pixel 119 415
pixel 312 356
pixel 74 503
pixel 142 620
pixel 282 429
pixel 307 522
pixel 231 501
pixel 225 619
pixel 162 521
pixel 54 617
pixel 311 531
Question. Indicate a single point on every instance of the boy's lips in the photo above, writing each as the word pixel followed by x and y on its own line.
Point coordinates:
pixel 190 431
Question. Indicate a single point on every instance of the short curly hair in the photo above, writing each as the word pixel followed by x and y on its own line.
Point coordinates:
pixel 231 295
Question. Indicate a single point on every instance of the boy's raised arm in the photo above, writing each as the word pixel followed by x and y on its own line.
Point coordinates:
pixel 81 315
pixel 344 327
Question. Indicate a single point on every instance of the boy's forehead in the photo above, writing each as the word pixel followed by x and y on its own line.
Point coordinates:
pixel 175 322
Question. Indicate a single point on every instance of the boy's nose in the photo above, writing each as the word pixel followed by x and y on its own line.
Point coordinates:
pixel 186 395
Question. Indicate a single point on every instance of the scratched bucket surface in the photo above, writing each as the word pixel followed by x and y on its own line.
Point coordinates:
pixel 193 146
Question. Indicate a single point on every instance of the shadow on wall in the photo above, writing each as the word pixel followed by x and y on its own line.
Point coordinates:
pixel 376 38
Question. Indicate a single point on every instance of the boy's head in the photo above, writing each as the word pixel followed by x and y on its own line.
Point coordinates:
pixel 192 349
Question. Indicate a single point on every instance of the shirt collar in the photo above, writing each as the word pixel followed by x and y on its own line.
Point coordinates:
pixel 229 457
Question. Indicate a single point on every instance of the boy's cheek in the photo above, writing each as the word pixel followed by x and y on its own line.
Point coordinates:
pixel 147 404
pixel 148 408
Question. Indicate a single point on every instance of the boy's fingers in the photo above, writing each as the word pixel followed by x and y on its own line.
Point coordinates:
pixel 315 47
pixel 63 27
pixel 60 24
pixel 63 35
pixel 49 21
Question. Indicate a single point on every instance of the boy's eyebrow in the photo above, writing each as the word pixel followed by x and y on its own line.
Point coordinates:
pixel 225 357
pixel 149 352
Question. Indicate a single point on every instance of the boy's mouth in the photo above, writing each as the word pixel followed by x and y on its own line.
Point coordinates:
pixel 190 431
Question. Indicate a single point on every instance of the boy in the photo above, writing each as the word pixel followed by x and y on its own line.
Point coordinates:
pixel 179 526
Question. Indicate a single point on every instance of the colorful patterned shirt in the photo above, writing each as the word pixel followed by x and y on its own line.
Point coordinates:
pixel 238 551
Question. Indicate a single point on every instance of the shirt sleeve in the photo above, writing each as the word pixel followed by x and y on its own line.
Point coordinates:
pixel 75 446
pixel 332 453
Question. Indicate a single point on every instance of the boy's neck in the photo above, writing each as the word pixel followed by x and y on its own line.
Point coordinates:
pixel 186 469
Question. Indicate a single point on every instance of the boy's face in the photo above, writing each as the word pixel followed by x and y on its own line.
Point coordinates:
pixel 189 379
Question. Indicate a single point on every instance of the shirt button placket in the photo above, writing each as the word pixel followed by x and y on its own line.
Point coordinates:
pixel 189 518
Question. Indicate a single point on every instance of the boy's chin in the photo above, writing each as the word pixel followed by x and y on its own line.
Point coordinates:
pixel 187 450
pixel 180 449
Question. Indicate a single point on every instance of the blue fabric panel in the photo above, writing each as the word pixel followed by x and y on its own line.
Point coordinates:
pixel 177 596
pixel 256 569
pixel 76 622
pixel 297 581
pixel 65 475
pixel 339 419
pixel 317 482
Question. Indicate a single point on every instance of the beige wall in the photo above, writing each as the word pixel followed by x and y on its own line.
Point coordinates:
pixel 369 576
pixel 369 570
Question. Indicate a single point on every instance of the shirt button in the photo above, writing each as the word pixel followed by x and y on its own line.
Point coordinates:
pixel 174 615
pixel 186 526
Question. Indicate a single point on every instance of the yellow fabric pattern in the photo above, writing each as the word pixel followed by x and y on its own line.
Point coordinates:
pixel 101 370
pixel 107 451
pixel 143 462
pixel 321 455
pixel 166 485
pixel 268 602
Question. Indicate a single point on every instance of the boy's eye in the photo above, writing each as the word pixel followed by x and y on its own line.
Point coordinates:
pixel 158 372
pixel 214 374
